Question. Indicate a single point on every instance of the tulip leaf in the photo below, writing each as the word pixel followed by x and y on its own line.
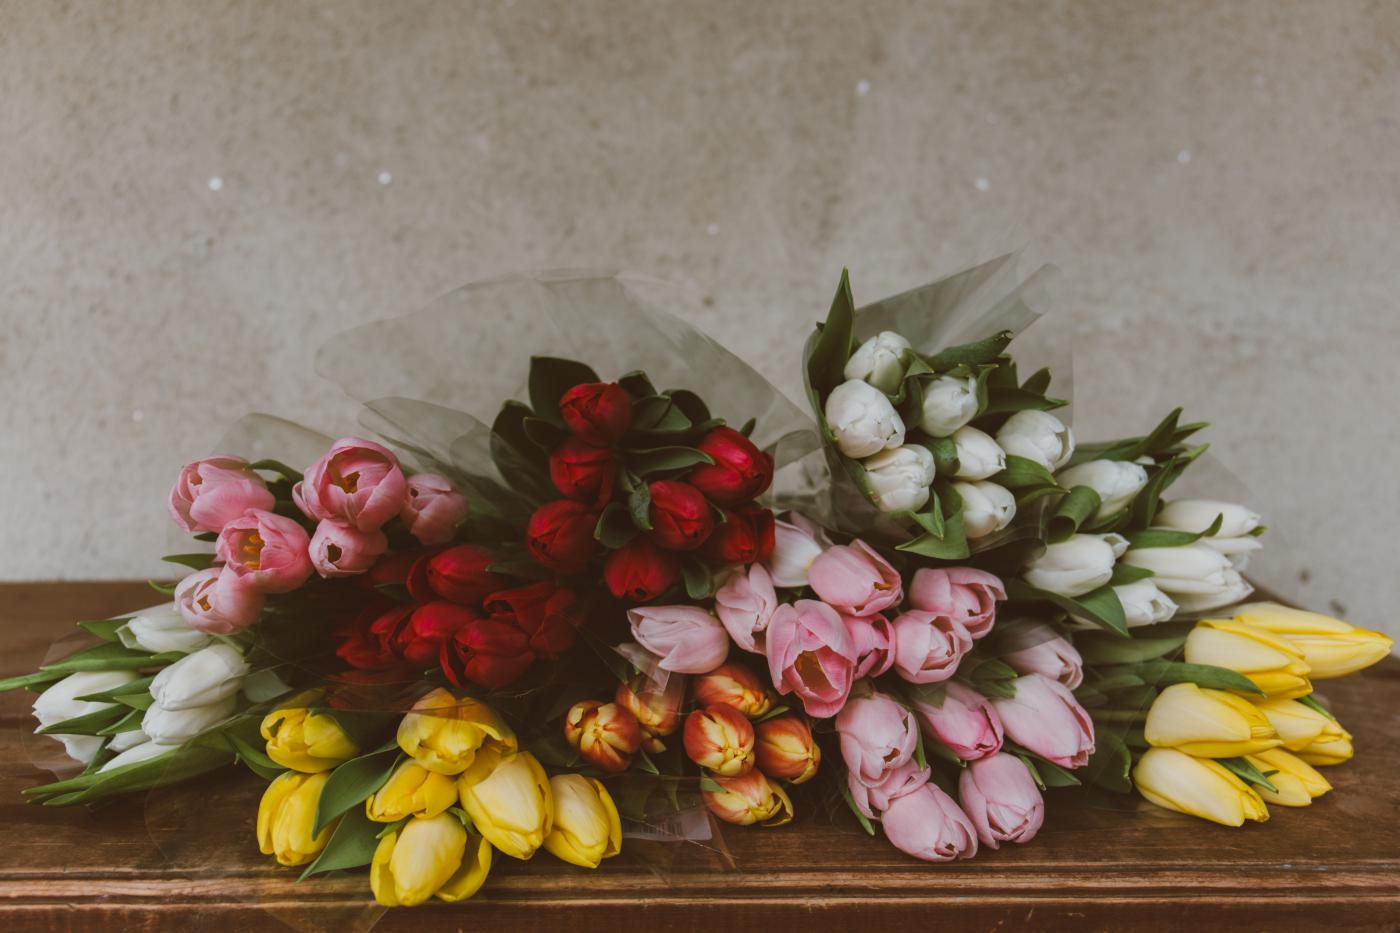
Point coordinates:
pixel 1010 400
pixel 105 629
pixel 165 589
pixel 1126 573
pixel 253 758
pixel 710 785
pixel 171 768
pixel 639 504
pixel 110 657
pixel 517 458
pixel 645 764
pixel 87 724
pixel 1311 703
pixel 932 520
pixel 195 561
pixel 1046 773
pixel 350 784
pixel 1166 537
pixel 637 384
pixel 1111 762
pixel 658 414
pixel 1245 770
pixel 545 435
pixel 826 363
pixel 1101 606
pixel 114 694
pixel 664 459
pixel 773 713
pixel 278 467
pixel 1024 473
pixel 36 679
pixel 945 455
pixel 351 845
pixel 615 526
pixel 1165 673
pixel 699 582
pixel 1103 648
pixel 970 354
pixel 365 727
pixel 127 723
pixel 1071 512
pixel 550 377
pixel 691 405
pixel 864 820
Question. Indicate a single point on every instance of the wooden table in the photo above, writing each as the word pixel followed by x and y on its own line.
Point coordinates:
pixel 186 859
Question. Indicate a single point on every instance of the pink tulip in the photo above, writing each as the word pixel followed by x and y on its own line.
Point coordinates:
pixel 964 722
pixel 745 603
pixel 1002 800
pixel 964 594
pixel 855 579
pixel 810 654
pixel 872 800
pixel 878 735
pixel 873 638
pixel 338 550
pixel 928 824
pixel 211 493
pixel 432 509
pixel 358 482
pixel 216 602
pixel 928 646
pixel 1045 718
pixel 1032 647
pixel 686 639
pixel 796 543
pixel 265 551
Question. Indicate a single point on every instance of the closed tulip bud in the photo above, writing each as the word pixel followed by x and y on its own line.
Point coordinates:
pixel 1044 717
pixel 582 471
pixel 928 647
pixel 1037 436
pixel 1331 647
pixel 986 507
pixel 1001 798
pixel 929 825
pixel 1192 571
pixel 432 509
pixel 960 719
pixel 949 403
pixel 785 749
pixel 286 816
pixel 657 709
pixel 964 594
pixel 855 580
pixel 598 412
pixel 796 544
pixel 1116 481
pixel 606 734
pixel 1197 515
pixel 461 575
pixel 306 741
pixel 1072 567
pixel 339 550
pixel 216 601
pixel 687 639
pixel 1032 647
pixel 681 517
pixel 211 493
pixel 508 797
pixel 1143 603
pixel 748 799
pixel 1198 787
pixel 1208 723
pixel 427 857
pixel 59 702
pixel 1298 725
pixel 1297 783
pixel 412 790
pixel 444 733
pixel 740 471
pixel 160 629
pixel 210 675
pixel 745 602
pixel 177 726
pixel 720 738
pixel 881 361
pixel 733 685
pixel 979 457
pixel 1270 662
pixel 1328 749
pixel 863 420
pixel 559 535
pixel 639 571
pixel 878 735
pixel 900 477
pixel 746 536
pixel 587 828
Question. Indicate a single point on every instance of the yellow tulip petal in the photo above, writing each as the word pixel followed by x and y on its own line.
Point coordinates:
pixel 476 865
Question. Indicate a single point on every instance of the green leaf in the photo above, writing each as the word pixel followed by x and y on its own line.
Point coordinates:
pixel 664 459
pixel 645 764
pixel 1071 512
pixel 659 414
pixel 639 505
pixel 1102 648
pixel 692 405
pixel 550 378
pixel 277 466
pixel 105 629
pixel 1204 675
pixel 851 802
pixel 699 584
pixel 1245 770
pixel 1311 703
pixel 350 784
pixel 970 354
pixel 1023 473
pixel 545 435
pixel 517 458
pixel 826 365
pixel 1101 606
pixel 88 724
pixel 352 845
pixel 110 657
pixel 254 758
pixel 1111 762
pixel 1166 537
pixel 1126 573
pixel 113 694
pixel 615 526
pixel 197 561
pixel 165 589
pixel 945 455
pixel 637 384
pixel 35 679
pixel 710 785
pixel 951 546
pixel 170 768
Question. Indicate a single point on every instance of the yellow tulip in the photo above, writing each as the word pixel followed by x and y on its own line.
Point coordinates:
pixel 1208 723
pixel 1270 662
pixel 508 797
pixel 443 733
pixel 587 828
pixel 1330 748
pixel 286 815
pixel 1295 779
pixel 1331 647
pixel 412 790
pixel 1298 724
pixel 428 857
pixel 305 741
pixel 1197 786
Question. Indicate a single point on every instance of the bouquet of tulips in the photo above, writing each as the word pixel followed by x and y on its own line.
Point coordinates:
pixel 605 611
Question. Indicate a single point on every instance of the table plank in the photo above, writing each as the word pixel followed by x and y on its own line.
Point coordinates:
pixel 184 858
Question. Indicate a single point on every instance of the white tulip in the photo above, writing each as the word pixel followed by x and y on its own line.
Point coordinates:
pixel 1196 515
pixel 796 544
pixel 124 740
pixel 1038 436
pixel 949 403
pixel 1144 603
pixel 1072 567
pixel 1190 569
pixel 160 629
pixel 979 457
pixel 1235 589
pixel 900 477
pixel 863 419
pixel 1116 482
pixel 986 508
pixel 1117 542
pixel 59 703
pixel 143 752
pixel 881 361
pixel 176 726
pixel 207 676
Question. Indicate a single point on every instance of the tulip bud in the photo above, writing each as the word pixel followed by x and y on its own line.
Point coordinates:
pixel 1331 647
pixel 687 639
pixel 961 719
pixel 606 735
pixel 598 412
pixel 928 647
pixel 286 816
pixel 444 733
pixel 733 685
pixel 1197 577
pixel 1072 567
pixel 412 790
pixel 1197 786
pixel 341 550
pixel 1271 663
pixel 427 857
pixel 1044 717
pixel 1032 647
pixel 144 751
pixel 432 509
pixel 796 545
pixel 873 641
pixel 1234 589
pixel 721 739
pixel 681 516
pixel 749 798
pixel 1037 436
pixel 986 507
pixel 1208 723
pixel 59 702
pixel 582 471
pixel 639 571
pixel 491 653
pixel 1001 799
pixel 855 579
pixel 306 741
pixel 949 403
pixel 745 602
pixel 357 482
pixel 1143 603
pixel 810 654
pixel 900 477
pixel 965 594
pixel 881 361
pixel 1297 783
pixel 160 629
pixel 927 824
pixel 508 797
pixel 784 748
pixel 461 575
pixel 863 420
pixel 874 799
pixel 979 457
pixel 878 734
pixel 211 493
pixel 215 601
pixel 657 709
pixel 587 828
pixel 177 726
pixel 1197 515
pixel 1328 749
pixel 210 675
pixel 746 536
pixel 740 471
pixel 1117 483
pixel 559 535
pixel 264 551
pixel 1305 729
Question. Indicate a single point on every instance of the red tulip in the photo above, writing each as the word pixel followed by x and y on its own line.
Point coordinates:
pixel 549 615
pixel 487 652
pixel 560 535
pixel 681 516
pixel 740 470
pixel 598 412
pixel 744 537
pixel 583 472
pixel 639 571
pixel 460 574
pixel 428 627
pixel 360 646
pixel 392 569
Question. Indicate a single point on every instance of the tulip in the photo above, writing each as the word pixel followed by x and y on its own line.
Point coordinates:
pixel 1143 603
pixel 745 602
pixel 144 751
pixel 733 685
pixel 862 420
pixel 559 535
pixel 681 516
pixel 548 614
pixel 1270 662
pixel 357 482
pixel 1298 725
pixel 606 735
pixel 582 471
pixel 265 552
pixel 1072 567
pixel 424 629
pixel 1197 786
pixel 639 571
pixel 855 579
pixel 215 602
pixel 1191 569
pixel 796 544
pixel 1208 723
pixel 986 507
pixel 1032 647
pixel 687 639
pixel 598 412
pixel 740 471
pixel 746 536
pixel 211 493
pixel 1001 799
pixel 210 675
pixel 1117 483
pixel 961 719
pixel 1037 436
pixel 427 857
pixel 508 797
pixel 965 594
pixel 873 639
pixel 900 477
pixel 810 654
pixel 162 629
pixel 587 828
pixel 979 457
pixel 928 647
pixel 432 509
pixel 949 403
pixel 881 361
pixel 1044 717
pixel 1328 749
pixel 490 653
pixel 929 825
pixel 177 726
pixel 306 741
pixel 59 702
pixel 124 741
pixel 1297 782
pixel 1331 647
pixel 462 575
pixel 656 708
pixel 341 550
pixel 1197 515
pixel 720 739
pixel 443 733
pixel 872 800
pixel 878 734
pixel 784 748
pixel 747 799
pixel 412 790
pixel 286 816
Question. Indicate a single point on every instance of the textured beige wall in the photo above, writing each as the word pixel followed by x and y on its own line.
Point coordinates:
pixel 1220 183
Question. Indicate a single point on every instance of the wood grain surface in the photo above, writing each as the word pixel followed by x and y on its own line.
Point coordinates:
pixel 185 858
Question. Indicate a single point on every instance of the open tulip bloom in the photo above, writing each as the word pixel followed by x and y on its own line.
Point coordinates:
pixel 592 590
